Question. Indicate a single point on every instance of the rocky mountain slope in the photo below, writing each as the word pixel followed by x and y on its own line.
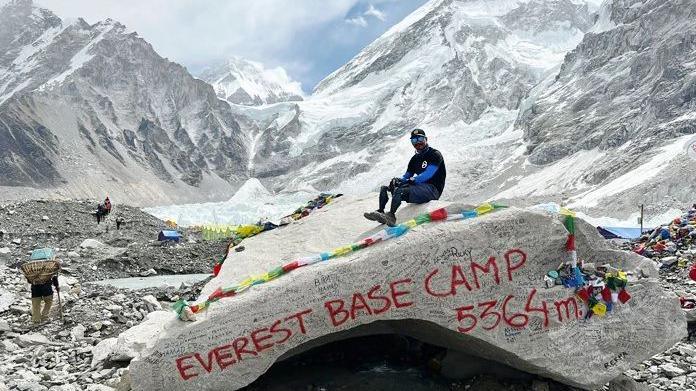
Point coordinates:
pixel 528 100
pixel 459 69
pixel 531 100
pixel 247 82
pixel 88 109
pixel 613 123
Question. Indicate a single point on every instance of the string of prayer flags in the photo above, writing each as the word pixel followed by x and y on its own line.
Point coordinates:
pixel 186 311
pixel 599 291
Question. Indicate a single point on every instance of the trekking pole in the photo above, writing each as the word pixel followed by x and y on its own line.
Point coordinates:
pixel 60 307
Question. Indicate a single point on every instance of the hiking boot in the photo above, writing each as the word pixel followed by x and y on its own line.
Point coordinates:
pixel 389 219
pixel 373 216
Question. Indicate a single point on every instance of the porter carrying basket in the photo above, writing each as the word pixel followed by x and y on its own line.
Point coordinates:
pixel 40 272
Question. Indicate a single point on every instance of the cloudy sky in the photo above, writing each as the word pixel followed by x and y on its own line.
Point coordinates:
pixel 309 38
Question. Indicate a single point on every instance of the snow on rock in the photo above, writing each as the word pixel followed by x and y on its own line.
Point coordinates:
pixel 607 101
pixel 251 190
pixel 247 82
pixel 108 116
pixel 435 283
pixel 458 69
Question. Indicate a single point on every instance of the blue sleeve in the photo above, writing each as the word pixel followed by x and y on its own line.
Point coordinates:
pixel 427 174
pixel 406 176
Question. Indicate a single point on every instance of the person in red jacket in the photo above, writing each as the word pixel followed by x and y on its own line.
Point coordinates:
pixel 107 205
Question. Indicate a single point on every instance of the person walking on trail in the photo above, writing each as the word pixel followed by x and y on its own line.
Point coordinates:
pixel 423 181
pixel 42 294
pixel 100 213
pixel 107 205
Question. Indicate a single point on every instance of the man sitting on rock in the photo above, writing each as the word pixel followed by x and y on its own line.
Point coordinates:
pixel 42 293
pixel 423 181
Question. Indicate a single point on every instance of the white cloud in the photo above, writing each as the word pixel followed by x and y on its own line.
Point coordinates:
pixel 373 11
pixel 274 32
pixel 358 21
pixel 189 31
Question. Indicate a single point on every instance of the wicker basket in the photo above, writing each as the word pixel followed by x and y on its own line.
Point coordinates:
pixel 40 272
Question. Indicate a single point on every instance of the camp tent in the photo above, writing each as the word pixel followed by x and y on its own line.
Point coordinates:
pixel 169 235
pixel 621 232
pixel 41 254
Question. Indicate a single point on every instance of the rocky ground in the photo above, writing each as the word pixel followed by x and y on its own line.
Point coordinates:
pixel 69 354
pixel 60 355
pixel 91 251
pixel 674 369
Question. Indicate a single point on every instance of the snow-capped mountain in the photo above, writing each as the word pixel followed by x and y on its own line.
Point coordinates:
pixel 610 129
pixel 527 99
pixel 458 69
pixel 530 99
pixel 249 83
pixel 92 109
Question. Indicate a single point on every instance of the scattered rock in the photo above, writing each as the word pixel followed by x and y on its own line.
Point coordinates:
pixel 9 345
pixel 540 386
pixel 122 381
pixel 148 272
pixel 30 339
pixel 6 300
pixel 151 303
pixel 98 387
pixel 64 387
pixel 625 383
pixel 102 350
pixel 49 351
pixel 671 370
pixel 91 243
pixel 78 332
pixel 687 351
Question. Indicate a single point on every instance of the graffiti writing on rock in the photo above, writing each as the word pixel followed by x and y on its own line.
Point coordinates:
pixel 243 347
pixel 520 309
pixel 615 360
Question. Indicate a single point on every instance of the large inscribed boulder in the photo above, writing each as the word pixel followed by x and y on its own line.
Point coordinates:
pixel 476 285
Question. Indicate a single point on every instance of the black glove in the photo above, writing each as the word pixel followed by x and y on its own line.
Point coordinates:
pixel 395 184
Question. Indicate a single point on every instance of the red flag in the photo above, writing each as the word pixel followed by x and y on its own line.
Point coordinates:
pixel 570 243
pixel 290 266
pixel 438 214
pixel 216 269
pixel 624 296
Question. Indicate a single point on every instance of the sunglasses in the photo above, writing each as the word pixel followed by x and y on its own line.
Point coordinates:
pixel 417 139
